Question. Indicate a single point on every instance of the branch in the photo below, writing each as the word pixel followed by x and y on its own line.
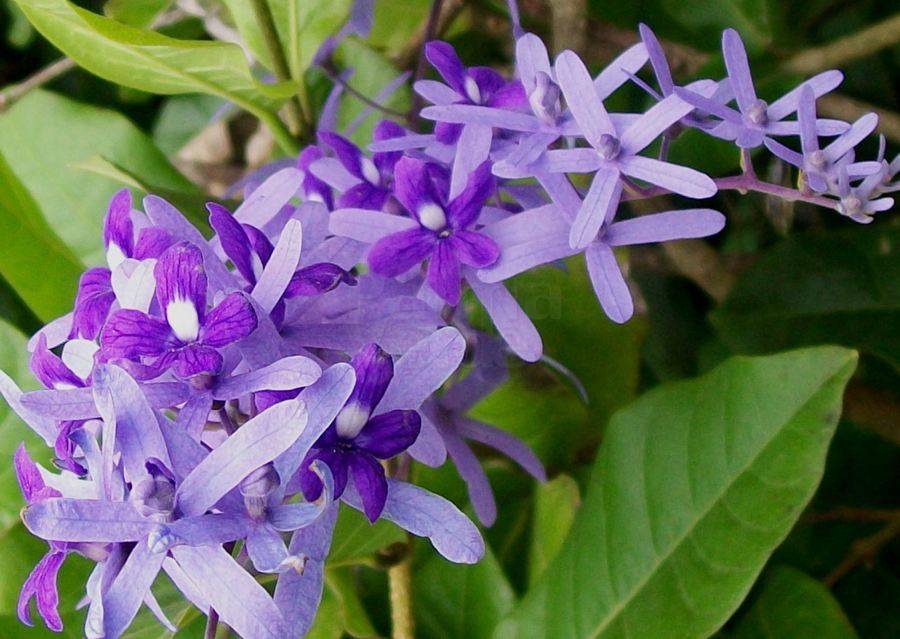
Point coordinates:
pixel 15 92
pixel 863 551
pixel 852 47
pixel 400 582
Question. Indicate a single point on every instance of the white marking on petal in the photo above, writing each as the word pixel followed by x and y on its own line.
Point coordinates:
pixel 78 356
pixel 182 318
pixel 432 217
pixel 472 90
pixel 134 284
pixel 370 171
pixel 63 386
pixel 114 256
pixel 351 420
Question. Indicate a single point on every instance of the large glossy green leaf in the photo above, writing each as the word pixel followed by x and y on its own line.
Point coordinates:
pixel 35 262
pixel 44 135
pixel 150 61
pixel 820 288
pixel 555 505
pixel 695 485
pixel 793 604
pixel 454 601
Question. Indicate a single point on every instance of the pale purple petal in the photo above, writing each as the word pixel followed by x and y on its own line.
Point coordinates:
pixel 709 105
pixel 663 227
pixel 78 403
pixel 509 318
pixel 280 268
pixel 531 59
pixel 267 550
pixel 323 400
pixel 194 415
pixel 476 140
pixel 608 282
pixel 254 444
pixel 599 206
pixel 119 400
pixel 429 447
pixel 134 285
pixel 527 239
pixel 617 72
pixel 436 92
pixel 738 69
pixel 504 442
pixel 858 131
pixel 425 514
pixel 653 122
pixel 582 98
pixel 657 60
pixel 479 489
pixel 348 154
pixel 820 84
pixel 123 599
pixel 61 519
pixel 485 116
pixel 240 601
pixel 298 595
pixel 423 369
pixel 285 374
pixel 368 226
pixel 788 155
pixel 678 179
pixel 269 198
pixel 406 143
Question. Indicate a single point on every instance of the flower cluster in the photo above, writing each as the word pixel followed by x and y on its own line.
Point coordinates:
pixel 212 402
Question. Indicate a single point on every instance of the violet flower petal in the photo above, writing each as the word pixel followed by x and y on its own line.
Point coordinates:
pixel 395 254
pixel 663 227
pixel 269 198
pixel 256 443
pixel 423 369
pixel 280 268
pixel 738 70
pixel 582 98
pixel 476 140
pixel 617 72
pixel 608 282
pixel 443 273
pixel 232 319
pixel 600 204
pixel 509 318
pixel 75 520
pixel 678 179
pixel 123 599
pixel 504 442
pixel 368 226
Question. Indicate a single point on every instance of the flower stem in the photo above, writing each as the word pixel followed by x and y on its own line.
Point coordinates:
pixel 13 93
pixel 400 582
pixel 298 123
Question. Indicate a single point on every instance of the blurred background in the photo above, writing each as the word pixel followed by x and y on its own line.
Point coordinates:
pixel 779 276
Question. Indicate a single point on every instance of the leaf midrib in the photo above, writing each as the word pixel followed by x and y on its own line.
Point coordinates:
pixel 615 612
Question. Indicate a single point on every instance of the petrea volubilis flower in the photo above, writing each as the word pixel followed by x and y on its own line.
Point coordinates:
pixel 213 404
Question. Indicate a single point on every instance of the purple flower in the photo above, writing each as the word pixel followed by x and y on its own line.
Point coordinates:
pixel 474 85
pixel 820 166
pixel 756 119
pixel 95 288
pixel 357 440
pixel 41 583
pixel 442 235
pixel 540 236
pixel 189 337
pixel 614 153
pixel 250 251
pixel 375 175
pixel 860 203
pixel 314 189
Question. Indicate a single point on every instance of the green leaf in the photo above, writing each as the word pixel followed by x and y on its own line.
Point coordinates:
pixel 555 505
pixel 753 18
pixel 819 288
pixel 695 485
pixel 44 134
pixel 150 61
pixel 455 601
pixel 26 239
pixel 181 118
pixel 340 582
pixel 793 604
pixel 302 25
pixel 135 13
pixel 355 540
